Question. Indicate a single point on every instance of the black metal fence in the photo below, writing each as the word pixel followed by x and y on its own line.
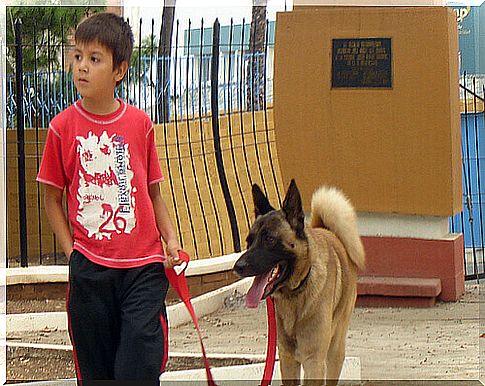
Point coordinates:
pixel 217 141
pixel 470 222
pixel 187 91
pixel 214 83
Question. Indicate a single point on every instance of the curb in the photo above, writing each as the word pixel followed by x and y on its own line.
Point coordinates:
pixel 245 373
pixel 351 371
pixel 177 313
pixel 171 354
pixel 59 273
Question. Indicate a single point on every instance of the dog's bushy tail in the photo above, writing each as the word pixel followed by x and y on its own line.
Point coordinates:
pixel 331 209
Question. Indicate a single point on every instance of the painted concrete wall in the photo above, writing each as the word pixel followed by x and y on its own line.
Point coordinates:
pixel 392 150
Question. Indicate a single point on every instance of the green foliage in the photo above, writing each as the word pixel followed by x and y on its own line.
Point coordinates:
pixel 53 26
pixel 145 51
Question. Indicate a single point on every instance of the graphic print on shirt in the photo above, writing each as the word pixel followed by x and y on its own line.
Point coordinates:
pixel 105 195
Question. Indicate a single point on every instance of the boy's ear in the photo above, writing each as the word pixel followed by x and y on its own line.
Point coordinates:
pixel 120 71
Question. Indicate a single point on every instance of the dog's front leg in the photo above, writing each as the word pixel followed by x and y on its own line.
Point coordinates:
pixel 290 369
pixel 314 369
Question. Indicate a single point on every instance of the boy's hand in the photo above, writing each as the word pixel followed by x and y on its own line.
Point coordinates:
pixel 173 248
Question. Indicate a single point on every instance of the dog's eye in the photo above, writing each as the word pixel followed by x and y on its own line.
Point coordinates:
pixel 292 245
pixel 269 239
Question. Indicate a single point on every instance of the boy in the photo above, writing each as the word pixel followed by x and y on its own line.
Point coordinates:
pixel 103 152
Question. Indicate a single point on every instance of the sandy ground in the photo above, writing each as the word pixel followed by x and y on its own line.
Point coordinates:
pixel 392 343
pixel 440 343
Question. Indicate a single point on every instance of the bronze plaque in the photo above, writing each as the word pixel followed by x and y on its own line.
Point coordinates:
pixel 361 63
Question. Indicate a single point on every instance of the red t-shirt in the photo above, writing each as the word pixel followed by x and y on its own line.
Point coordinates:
pixel 106 163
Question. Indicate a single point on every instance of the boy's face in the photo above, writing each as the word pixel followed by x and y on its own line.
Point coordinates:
pixel 93 72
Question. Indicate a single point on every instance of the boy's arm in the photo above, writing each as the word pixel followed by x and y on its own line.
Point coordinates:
pixel 165 226
pixel 57 218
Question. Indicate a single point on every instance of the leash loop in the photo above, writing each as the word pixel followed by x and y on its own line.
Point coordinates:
pixel 179 283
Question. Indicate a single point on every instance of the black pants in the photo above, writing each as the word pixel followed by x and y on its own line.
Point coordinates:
pixel 117 320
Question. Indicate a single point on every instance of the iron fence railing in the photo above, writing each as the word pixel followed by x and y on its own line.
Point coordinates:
pixel 46 92
pixel 470 221
pixel 211 158
pixel 201 151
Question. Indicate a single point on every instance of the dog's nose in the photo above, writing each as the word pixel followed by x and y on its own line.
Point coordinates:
pixel 240 267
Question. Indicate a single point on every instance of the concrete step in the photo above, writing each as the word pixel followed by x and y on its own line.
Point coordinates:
pixel 248 374
pixel 384 291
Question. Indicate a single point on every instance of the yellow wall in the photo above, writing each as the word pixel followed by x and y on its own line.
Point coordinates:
pixel 473 105
pixel 214 211
pixel 34 195
pixel 391 150
pixel 199 209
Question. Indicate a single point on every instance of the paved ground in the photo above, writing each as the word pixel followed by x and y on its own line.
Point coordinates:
pixel 440 343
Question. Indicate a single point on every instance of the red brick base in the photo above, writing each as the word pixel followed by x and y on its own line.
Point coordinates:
pixel 394 301
pixel 418 258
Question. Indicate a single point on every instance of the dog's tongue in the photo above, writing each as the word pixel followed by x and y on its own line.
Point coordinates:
pixel 256 291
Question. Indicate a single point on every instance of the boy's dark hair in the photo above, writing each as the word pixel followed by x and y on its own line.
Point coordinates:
pixel 109 30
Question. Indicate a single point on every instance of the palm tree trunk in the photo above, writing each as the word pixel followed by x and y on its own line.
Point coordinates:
pixel 163 62
pixel 255 68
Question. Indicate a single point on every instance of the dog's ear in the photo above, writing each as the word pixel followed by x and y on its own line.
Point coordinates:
pixel 293 210
pixel 261 203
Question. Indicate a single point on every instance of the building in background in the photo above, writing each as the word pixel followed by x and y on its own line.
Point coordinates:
pixel 234 46
pixel 471 37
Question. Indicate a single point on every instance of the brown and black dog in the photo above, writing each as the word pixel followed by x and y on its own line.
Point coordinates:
pixel 310 270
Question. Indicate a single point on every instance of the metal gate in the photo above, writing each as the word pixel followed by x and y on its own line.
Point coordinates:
pixel 471 221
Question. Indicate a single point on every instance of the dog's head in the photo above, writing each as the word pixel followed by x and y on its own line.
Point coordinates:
pixel 275 240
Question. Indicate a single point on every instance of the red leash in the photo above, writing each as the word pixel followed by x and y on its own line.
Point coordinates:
pixel 179 283
pixel 271 349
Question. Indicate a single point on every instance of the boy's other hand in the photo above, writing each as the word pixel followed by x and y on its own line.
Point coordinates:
pixel 173 259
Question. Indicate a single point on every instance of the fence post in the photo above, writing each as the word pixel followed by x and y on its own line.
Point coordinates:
pixel 20 144
pixel 217 139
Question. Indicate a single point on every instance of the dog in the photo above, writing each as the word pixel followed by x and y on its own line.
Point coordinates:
pixel 310 269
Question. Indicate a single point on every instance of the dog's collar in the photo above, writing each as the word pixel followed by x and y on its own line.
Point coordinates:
pixel 303 282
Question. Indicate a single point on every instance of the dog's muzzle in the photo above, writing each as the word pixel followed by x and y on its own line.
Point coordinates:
pixel 241 267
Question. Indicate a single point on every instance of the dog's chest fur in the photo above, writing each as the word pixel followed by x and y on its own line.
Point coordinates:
pixel 291 324
pixel 287 326
pixel 302 311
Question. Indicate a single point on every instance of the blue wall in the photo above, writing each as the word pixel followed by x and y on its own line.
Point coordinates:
pixel 472 126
